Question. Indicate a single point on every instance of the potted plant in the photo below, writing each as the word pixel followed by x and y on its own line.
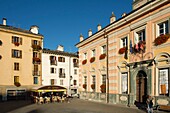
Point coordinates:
pixel 102 56
pixel 17 84
pixel 161 39
pixel 84 61
pixel 93 86
pixel 84 86
pixel 16 43
pixel 103 88
pixel 122 50
pixel 92 59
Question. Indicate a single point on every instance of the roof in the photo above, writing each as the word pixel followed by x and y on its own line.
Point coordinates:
pixel 57 52
pixel 17 29
pixel 117 20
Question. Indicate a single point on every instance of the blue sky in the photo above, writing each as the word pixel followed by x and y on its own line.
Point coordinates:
pixel 62 21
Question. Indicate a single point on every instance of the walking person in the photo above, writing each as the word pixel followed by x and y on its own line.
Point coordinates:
pixel 149 104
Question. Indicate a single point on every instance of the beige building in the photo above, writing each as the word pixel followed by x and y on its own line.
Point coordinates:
pixel 137 56
pixel 20 60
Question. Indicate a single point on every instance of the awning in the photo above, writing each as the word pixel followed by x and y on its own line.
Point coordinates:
pixel 49 88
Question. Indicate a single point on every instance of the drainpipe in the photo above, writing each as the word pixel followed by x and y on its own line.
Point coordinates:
pixel 107 66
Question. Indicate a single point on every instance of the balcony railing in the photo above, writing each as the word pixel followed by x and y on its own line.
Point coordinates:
pixel 36 47
pixel 62 75
pixel 53 62
pixel 36 60
pixel 36 73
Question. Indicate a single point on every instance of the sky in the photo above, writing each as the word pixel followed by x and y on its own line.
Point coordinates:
pixel 62 21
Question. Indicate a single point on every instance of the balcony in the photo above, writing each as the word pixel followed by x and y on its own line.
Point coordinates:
pixel 62 75
pixel 36 47
pixel 36 60
pixel 53 62
pixel 36 73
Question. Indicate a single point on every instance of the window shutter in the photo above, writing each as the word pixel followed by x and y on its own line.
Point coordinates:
pixel 12 39
pixel 63 59
pixel 20 39
pixel 20 54
pixel 32 42
pixel 121 43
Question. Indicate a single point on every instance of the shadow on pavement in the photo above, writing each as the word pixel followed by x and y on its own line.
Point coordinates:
pixel 8 106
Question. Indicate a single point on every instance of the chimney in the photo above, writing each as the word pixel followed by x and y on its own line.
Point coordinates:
pixel 81 37
pixel 112 18
pixel 89 32
pixel 60 48
pixel 99 27
pixel 4 21
pixel 34 29
pixel 124 14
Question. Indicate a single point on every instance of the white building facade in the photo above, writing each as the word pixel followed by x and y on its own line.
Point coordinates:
pixel 60 68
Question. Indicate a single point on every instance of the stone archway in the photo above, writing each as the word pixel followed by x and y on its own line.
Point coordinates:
pixel 141 86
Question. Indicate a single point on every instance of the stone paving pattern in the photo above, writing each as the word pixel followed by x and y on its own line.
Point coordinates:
pixel 75 106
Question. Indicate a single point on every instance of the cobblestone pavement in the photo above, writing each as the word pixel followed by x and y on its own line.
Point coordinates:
pixel 75 106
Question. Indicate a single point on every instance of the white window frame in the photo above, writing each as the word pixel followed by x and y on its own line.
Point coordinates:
pixel 103 49
pixel 85 56
pixel 124 83
pixel 163 79
pixel 124 42
pixel 93 52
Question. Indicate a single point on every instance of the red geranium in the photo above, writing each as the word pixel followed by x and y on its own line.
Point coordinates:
pixel 84 62
pixel 161 39
pixel 92 59
pixel 103 88
pixel 84 86
pixel 102 56
pixel 122 50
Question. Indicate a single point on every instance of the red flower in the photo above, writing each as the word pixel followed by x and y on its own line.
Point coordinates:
pixel 92 59
pixel 122 50
pixel 84 86
pixel 84 61
pixel 16 43
pixel 102 56
pixel 17 84
pixel 36 59
pixel 103 88
pixel 93 86
pixel 161 39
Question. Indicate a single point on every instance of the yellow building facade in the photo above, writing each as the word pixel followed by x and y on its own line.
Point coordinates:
pixel 137 57
pixel 20 61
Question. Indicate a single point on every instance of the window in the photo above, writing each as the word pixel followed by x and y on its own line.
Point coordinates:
pixel 34 42
pixel 61 71
pixel 0 43
pixel 16 66
pixel 75 82
pixel 16 40
pixel 104 49
pixel 93 79
pixel 35 71
pixel 93 53
pixel 16 79
pixel 85 56
pixel 124 83
pixel 75 71
pixel 35 80
pixel 16 53
pixel 163 28
pixel 53 70
pixel 52 81
pixel 61 82
pixel 61 59
pixel 141 35
pixel 163 81
pixel 53 60
pixel 124 42
pixel 85 79
pixel 103 79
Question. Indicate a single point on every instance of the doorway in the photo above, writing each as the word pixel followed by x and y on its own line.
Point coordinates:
pixel 141 87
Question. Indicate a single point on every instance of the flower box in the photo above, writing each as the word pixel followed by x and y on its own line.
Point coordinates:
pixel 84 86
pixel 161 39
pixel 16 43
pixel 84 61
pixel 102 56
pixel 92 59
pixel 93 86
pixel 17 84
pixel 36 47
pixel 35 59
pixel 103 88
pixel 122 50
